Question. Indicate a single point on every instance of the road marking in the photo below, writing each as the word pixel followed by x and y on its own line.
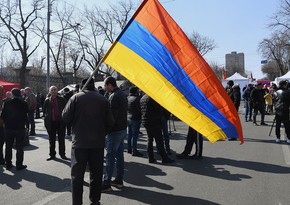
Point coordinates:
pixel 286 152
pixel 52 197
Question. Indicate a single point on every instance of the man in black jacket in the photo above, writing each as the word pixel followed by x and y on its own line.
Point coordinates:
pixel 258 103
pixel 134 121
pixel 151 119
pixel 14 115
pixel 282 104
pixel 91 119
pixel 115 139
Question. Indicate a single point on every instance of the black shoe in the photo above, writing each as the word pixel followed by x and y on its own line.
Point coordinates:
pixel 26 144
pixel 195 157
pixel 129 151
pixel 254 123
pixel 167 160
pixel 152 161
pixel 262 123
pixel 137 154
pixel 21 167
pixel 106 188
pixel 96 203
pixel 117 183
pixel 250 120
pixel 64 157
pixel 168 152
pixel 50 158
pixel 182 156
pixel 9 166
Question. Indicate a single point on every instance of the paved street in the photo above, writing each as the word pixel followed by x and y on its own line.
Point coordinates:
pixel 257 172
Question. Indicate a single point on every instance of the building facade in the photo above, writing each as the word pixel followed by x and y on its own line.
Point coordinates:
pixel 235 62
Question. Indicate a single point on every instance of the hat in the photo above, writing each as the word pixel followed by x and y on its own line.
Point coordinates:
pixel 230 83
pixel 133 90
pixel 282 83
pixel 16 92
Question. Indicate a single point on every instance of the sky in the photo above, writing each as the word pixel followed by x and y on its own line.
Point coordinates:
pixel 234 25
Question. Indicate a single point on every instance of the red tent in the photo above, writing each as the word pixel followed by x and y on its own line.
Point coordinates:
pixel 8 86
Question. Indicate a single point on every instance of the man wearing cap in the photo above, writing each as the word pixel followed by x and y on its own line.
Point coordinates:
pixel 282 104
pixel 91 118
pixel 258 103
pixel 14 115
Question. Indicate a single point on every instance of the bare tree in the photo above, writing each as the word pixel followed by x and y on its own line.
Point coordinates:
pixel 77 59
pixel 17 28
pixel 275 49
pixel 217 69
pixel 101 29
pixel 202 43
pixel 271 70
pixel 281 24
pixel 281 20
pixel 91 38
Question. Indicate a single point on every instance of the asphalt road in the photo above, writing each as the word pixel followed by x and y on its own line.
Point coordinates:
pixel 257 172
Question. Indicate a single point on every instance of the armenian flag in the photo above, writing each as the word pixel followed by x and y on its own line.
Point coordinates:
pixel 155 54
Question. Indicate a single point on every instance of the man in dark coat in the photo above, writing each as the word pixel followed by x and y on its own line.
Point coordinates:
pixel 115 139
pixel 258 103
pixel 134 120
pixel 90 116
pixel 282 104
pixel 52 109
pixel 236 96
pixel 151 119
pixel 14 115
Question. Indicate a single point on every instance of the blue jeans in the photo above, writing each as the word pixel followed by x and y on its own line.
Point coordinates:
pixel 248 110
pixel 133 132
pixel 115 151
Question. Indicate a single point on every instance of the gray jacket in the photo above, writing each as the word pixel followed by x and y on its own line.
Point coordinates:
pixel 91 119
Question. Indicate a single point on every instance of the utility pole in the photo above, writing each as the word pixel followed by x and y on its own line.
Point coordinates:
pixel 48 45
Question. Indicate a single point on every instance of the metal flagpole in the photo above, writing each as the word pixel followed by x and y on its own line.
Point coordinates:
pixel 91 76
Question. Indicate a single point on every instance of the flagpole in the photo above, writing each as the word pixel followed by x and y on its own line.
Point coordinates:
pixel 93 73
pixel 110 49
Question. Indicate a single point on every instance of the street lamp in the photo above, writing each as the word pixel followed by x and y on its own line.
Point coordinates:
pixel 48 46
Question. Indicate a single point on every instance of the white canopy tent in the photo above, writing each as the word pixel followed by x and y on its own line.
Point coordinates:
pixel 238 79
pixel 283 77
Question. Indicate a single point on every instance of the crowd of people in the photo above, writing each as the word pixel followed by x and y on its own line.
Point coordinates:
pixel 100 120
pixel 265 100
